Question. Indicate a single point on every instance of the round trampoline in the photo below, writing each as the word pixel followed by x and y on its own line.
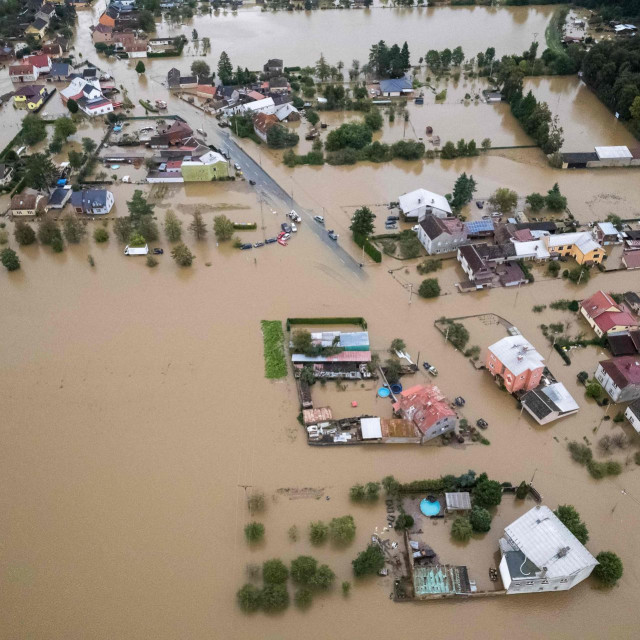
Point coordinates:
pixel 396 388
pixel 430 507
pixel 383 392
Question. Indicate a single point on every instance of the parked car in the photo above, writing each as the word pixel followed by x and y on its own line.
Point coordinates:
pixel 258 244
pixel 271 240
pixel 158 251
pixel 390 225
pixel 236 166
pixel 252 183
pixel 319 219
pixel 415 228
pixel 332 234
pixel 294 216
pixel 285 227
pixel 393 218
pixel 286 236
pixel 294 229
pixel 480 204
pixel 244 247
pixel 280 235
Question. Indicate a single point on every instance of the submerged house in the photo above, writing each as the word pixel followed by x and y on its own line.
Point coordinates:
pixel 92 201
pixel 549 403
pixel 540 554
pixel 516 362
pixel 441 235
pixel 620 378
pixel 427 407
pixel 416 204
pixel 605 315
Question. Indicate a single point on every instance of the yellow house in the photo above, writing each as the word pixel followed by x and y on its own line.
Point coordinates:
pixel 579 245
pixel 37 28
pixel 31 96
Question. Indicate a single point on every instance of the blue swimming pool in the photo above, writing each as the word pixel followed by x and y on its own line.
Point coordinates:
pixel 430 508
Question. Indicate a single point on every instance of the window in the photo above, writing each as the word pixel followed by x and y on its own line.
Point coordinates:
pixel 529 583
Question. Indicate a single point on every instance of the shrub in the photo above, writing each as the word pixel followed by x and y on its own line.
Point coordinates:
pixel 4 237
pixel 274 571
pixel 539 308
pixel 553 268
pixel 346 587
pixel 100 235
pixel 487 493
pixel 583 376
pixel 255 502
pixel 429 288
pixel 274 597
pixel 369 561
pixel 480 519
pixel 609 570
pixel 570 518
pixel 254 532
pixel 461 529
pixel 429 266
pixel 57 245
pixel 182 255
pixel 9 259
pixel 249 598
pixel 323 577
pixel 303 598
pixel 580 452
pixel 303 568
pixel 318 532
pixel 342 530
pixel 522 491
pixel 24 233
pixel 390 485
pixel 404 521
pixel 593 389
pixel 151 261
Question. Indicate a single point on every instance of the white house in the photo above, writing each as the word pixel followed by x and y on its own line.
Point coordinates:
pixel 632 414
pixel 540 554
pixel 416 204
pixel 92 201
pixel 549 403
pixel 441 235
pixel 620 378
pixel 257 106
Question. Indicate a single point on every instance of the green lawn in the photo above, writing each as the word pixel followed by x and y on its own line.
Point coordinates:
pixel 275 364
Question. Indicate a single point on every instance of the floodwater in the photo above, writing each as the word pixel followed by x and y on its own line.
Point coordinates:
pixel 135 413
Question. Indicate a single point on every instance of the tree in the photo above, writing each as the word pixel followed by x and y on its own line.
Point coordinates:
pixel 322 69
pixel 504 200
pixel 140 68
pixel 570 518
pixel 323 578
pixel 40 172
pixel 404 521
pixel 354 135
pixel 24 233
pixel 33 129
pixel 522 491
pixel 461 529
pixel 583 376
pixel 553 268
pixel 432 59
pixel 274 572
pixel 374 120
pixel 480 519
pixel 448 151
pixel 369 561
pixel 194 34
pixel 122 229
pixel 535 201
pixel 303 568
pixel 275 597
pixel 555 201
pixel 397 344
pixel 88 146
pixel 429 288
pixel 147 227
pixel 138 207
pixel 249 598
pixel 225 68
pixel 609 570
pixel 457 56
pixel 172 226
pixel 342 530
pixel 146 21
pixel 302 342
pixel 487 493
pixel 312 117
pixel 279 137
pixel 222 228
pixel 182 255
pixel 254 532
pixel 9 259
pixel 445 57
pixel 362 222
pixel 615 220
pixel 76 159
pixel 64 127
pixel 579 274
pixel 303 598
pixel 72 105
pixel 390 485
pixel 48 231
pixel 318 532
pixel 200 68
pixel 73 229
pixel 357 492
pixel 486 144
pixel 100 235
pixel 392 371
pixel 463 191
pixel 197 226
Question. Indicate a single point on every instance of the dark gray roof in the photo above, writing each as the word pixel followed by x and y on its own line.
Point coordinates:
pixel 579 158
pixel 39 23
pixel 433 227
pixel 58 196
pixel 539 403
pixel 89 198
pixel 470 254
pixel 630 297
pixel 59 69
pixel 549 226
pixel 621 344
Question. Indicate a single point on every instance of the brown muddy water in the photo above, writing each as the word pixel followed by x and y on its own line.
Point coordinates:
pixel 135 412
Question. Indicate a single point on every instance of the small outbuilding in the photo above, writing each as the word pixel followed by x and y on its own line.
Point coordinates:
pixel 458 501
pixel 370 428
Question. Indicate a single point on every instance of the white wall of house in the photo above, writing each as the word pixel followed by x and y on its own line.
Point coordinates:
pixel 591 322
pixel 615 393
pixel 444 425
pixel 633 419
pixel 536 584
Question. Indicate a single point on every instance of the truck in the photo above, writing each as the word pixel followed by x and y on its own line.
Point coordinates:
pixel 136 251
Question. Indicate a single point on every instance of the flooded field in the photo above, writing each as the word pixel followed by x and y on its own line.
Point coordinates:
pixel 136 414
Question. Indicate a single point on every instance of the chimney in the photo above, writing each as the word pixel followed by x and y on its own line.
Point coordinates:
pixel 544 572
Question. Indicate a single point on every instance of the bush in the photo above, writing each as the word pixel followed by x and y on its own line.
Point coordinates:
pixel 24 233
pixel 254 532
pixel 346 587
pixel 480 519
pixel 249 598
pixel 583 376
pixel 570 518
pixel 522 491
pixel 303 568
pixel 275 597
pixel 553 269
pixel 303 598
pixel 318 532
pixel 369 561
pixel 610 569
pixel 182 255
pixel 255 502
pixel 404 521
pixel 342 530
pixel 9 259
pixel 461 529
pixel 580 452
pixel 429 288
pixel 487 493
pixel 390 485
pixel 100 235
pixel 4 237
pixel 369 249
pixel 593 389
pixel 539 308
pixel 323 577
pixel 151 261
pixel 274 572
pixel 435 264
pixel 579 274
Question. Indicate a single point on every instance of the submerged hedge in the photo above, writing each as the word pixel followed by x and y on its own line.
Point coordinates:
pixel 369 249
pixel 355 320
pixel 275 364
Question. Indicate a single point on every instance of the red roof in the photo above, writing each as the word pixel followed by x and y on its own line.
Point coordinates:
pixel 41 60
pixel 598 303
pixel 623 371
pixel 206 88
pixel 424 405
pixel 632 259
pixel 174 164
pixel 20 69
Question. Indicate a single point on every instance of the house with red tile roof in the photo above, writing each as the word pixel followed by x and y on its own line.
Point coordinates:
pixel 605 315
pixel 262 123
pixel 631 259
pixel 40 61
pixel 620 378
pixel 427 408
pixel 23 73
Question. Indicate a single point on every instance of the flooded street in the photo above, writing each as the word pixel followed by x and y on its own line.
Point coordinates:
pixel 136 412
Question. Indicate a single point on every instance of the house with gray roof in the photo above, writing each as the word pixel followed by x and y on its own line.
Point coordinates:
pixel 92 201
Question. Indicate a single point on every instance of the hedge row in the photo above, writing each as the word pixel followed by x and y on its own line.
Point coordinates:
pixel 245 226
pixel 434 484
pixel 359 321
pixel 562 353
pixel 369 249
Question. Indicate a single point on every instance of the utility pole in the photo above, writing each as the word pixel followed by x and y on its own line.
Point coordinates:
pixel 580 278
pixel 410 292
pixel 517 294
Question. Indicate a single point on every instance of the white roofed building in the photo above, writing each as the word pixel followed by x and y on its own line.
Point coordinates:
pixel 517 363
pixel 540 554
pixel 416 204
pixel 548 403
